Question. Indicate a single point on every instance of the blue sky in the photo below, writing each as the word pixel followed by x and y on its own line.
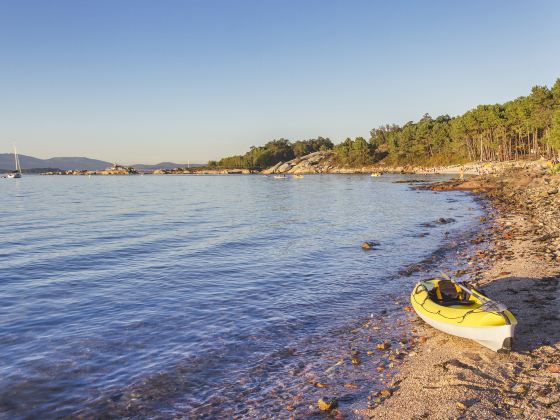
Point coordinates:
pixel 147 81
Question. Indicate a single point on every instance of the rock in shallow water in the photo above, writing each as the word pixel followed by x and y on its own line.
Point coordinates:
pixel 383 346
pixel 444 221
pixel 385 393
pixel 327 404
pixel 369 245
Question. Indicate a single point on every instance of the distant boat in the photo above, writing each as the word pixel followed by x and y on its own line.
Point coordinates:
pixel 376 174
pixel 279 176
pixel 17 172
pixel 298 176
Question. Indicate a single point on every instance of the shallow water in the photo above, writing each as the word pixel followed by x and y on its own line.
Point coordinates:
pixel 199 295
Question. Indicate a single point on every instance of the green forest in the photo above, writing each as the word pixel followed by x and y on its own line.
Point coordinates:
pixel 525 128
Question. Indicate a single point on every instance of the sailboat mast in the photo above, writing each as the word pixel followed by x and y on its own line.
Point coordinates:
pixel 16 158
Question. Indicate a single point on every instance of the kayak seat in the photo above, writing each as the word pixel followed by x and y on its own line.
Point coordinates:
pixel 446 293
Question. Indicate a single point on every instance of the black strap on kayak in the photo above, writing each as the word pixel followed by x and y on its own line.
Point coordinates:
pixel 461 317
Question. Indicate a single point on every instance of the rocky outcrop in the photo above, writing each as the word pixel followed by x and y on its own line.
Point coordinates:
pixel 325 162
pixel 113 170
pixel 118 170
pixel 313 163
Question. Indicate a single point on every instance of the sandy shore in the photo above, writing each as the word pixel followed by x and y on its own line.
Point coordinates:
pixel 448 377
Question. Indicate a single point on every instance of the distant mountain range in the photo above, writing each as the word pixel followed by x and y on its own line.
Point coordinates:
pixel 63 163
pixel 70 163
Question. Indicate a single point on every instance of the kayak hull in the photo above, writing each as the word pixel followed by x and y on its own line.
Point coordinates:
pixel 497 339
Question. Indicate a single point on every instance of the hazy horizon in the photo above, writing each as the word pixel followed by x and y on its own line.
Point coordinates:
pixel 145 82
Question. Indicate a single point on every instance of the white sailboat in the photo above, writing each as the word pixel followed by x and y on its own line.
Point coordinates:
pixel 17 172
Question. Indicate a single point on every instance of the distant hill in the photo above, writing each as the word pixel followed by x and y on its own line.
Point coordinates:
pixel 165 165
pixel 63 163
pixel 70 163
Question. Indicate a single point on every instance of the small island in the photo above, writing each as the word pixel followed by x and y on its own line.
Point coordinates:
pixel 113 170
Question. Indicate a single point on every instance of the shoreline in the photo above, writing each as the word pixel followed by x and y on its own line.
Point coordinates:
pixel 450 377
pixel 322 163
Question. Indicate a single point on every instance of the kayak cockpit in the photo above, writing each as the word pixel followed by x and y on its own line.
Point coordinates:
pixel 446 293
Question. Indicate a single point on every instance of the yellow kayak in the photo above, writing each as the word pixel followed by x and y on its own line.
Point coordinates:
pixel 461 310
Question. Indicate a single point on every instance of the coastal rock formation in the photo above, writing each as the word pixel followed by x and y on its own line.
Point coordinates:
pixel 113 170
pixel 314 163
pixel 325 162
pixel 117 170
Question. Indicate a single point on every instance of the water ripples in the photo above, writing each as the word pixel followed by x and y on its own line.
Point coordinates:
pixel 113 286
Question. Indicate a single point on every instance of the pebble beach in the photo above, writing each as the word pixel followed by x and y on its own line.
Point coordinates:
pixel 516 262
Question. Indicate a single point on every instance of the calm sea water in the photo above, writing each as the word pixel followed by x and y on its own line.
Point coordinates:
pixel 197 295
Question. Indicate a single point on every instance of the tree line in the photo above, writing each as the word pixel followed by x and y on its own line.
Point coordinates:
pixel 527 127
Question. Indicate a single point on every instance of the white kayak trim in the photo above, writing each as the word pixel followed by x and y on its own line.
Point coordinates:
pixel 494 338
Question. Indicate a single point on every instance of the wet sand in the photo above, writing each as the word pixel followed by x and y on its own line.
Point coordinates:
pixel 448 377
